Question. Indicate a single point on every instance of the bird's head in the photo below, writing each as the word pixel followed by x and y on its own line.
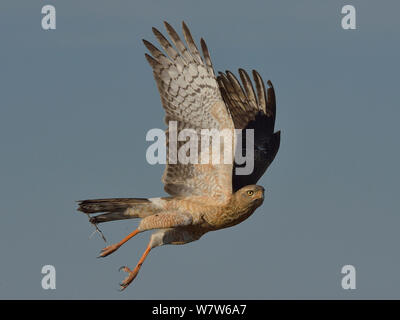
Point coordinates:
pixel 250 196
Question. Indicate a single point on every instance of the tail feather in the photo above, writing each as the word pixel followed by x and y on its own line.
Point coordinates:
pixel 112 204
pixel 118 208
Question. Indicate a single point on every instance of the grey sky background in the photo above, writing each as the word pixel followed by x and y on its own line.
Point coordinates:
pixel 75 106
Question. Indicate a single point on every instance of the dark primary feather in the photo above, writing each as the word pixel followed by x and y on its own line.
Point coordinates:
pixel 252 110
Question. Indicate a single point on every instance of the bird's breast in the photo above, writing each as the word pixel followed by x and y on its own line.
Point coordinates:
pixel 225 217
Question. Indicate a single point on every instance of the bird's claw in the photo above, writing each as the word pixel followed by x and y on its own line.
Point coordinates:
pixel 108 250
pixel 131 276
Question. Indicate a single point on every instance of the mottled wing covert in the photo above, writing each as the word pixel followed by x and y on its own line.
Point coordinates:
pixel 190 96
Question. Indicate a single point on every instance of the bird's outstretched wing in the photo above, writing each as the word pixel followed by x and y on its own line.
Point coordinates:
pixel 191 97
pixel 252 110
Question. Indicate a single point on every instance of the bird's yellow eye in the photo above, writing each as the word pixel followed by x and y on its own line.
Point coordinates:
pixel 250 193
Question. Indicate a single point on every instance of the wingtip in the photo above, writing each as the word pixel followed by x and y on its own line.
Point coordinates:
pixel 156 32
pixel 150 60
pixel 255 73
pixel 166 25
pixel 186 31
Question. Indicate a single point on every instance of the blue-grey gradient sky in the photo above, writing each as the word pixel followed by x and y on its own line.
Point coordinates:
pixel 75 106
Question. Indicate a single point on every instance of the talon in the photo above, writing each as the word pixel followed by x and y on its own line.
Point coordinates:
pixel 133 273
pixel 125 268
pixel 131 276
pixel 108 250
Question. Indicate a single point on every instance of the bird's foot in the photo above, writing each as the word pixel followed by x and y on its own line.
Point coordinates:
pixel 131 276
pixel 108 250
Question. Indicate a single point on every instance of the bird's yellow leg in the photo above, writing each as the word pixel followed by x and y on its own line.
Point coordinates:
pixel 110 249
pixel 133 273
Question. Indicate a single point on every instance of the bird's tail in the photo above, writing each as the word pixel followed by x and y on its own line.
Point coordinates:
pixel 118 208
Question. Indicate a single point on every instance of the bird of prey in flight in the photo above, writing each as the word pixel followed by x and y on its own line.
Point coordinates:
pixel 203 197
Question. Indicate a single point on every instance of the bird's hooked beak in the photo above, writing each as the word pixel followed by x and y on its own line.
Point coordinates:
pixel 262 189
